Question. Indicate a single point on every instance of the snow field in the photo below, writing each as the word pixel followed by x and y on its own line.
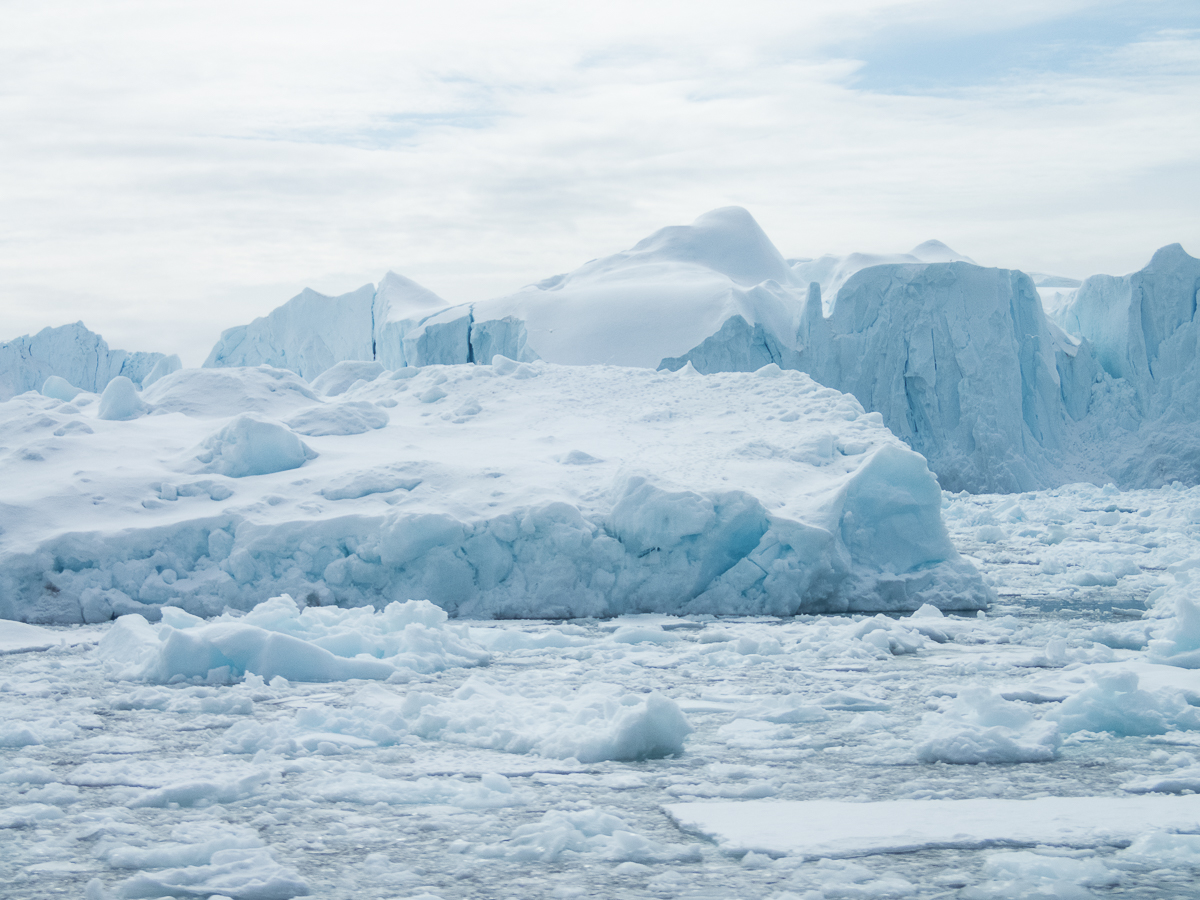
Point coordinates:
pixel 500 490
pixel 551 768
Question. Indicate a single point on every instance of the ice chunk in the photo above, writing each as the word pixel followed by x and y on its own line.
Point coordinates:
pixel 250 445
pixel 17 637
pixel 236 874
pixel 600 722
pixel 565 834
pixel 276 638
pixel 1023 873
pixel 830 828
pixel 120 401
pixel 981 727
pixel 1114 703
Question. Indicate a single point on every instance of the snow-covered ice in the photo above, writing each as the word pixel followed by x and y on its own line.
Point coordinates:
pixel 818 829
pixel 511 489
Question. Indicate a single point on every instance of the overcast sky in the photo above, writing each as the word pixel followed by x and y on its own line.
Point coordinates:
pixel 168 170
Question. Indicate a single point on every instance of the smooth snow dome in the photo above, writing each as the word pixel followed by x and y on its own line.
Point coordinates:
pixel 220 393
pixel 252 446
pixel 755 493
pixel 71 352
pixel 58 388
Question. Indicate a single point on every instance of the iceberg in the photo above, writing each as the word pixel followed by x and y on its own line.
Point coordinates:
pixel 504 490
pixel 68 353
pixel 1002 381
pixel 308 334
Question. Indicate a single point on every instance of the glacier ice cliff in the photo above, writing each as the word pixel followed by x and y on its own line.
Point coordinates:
pixel 962 361
pixel 71 352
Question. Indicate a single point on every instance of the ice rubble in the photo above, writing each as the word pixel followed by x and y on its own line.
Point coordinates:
pixel 278 639
pixel 961 360
pixel 70 353
pixel 510 490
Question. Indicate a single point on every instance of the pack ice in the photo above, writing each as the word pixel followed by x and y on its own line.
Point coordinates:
pixel 960 360
pixel 511 489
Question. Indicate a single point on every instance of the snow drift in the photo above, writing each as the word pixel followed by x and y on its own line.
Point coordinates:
pixel 513 489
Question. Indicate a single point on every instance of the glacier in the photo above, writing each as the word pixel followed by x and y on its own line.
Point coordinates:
pixel 1003 381
pixel 512 489
pixel 73 354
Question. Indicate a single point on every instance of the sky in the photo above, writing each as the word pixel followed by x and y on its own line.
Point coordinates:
pixel 168 170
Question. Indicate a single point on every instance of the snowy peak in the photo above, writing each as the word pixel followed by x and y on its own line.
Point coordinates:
pixel 726 241
pixel 1170 257
pixel 402 298
pixel 937 252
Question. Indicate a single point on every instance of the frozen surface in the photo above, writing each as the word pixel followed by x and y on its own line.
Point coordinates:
pixel 542 757
pixel 69 353
pixel 514 489
pixel 830 828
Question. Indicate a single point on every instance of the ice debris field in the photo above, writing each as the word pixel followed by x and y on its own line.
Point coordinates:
pixel 592 591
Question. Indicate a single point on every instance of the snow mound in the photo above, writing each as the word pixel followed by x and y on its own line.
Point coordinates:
pixel 120 401
pixel 737 493
pixel 81 357
pixel 351 417
pixel 58 388
pixel 277 638
pixel 217 393
pixel 252 446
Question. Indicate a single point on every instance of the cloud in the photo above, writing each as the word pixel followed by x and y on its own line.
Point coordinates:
pixel 172 170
